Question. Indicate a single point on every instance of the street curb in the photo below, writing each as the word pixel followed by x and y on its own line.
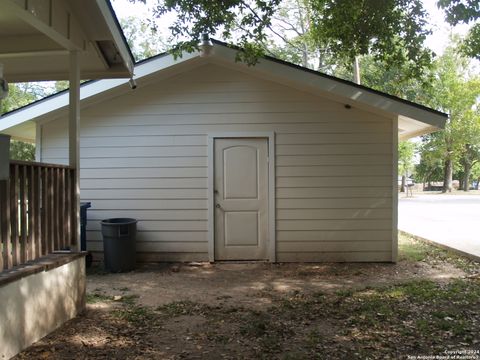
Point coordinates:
pixel 441 246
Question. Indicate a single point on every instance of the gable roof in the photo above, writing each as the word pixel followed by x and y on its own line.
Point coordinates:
pixel 413 119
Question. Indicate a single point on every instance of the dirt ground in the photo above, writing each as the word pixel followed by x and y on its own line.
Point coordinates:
pixel 253 285
pixel 424 304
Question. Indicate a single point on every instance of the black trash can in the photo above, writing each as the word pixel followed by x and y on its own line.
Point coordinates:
pixel 83 231
pixel 119 250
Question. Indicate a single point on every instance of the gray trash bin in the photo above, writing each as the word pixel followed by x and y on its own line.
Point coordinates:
pixel 119 244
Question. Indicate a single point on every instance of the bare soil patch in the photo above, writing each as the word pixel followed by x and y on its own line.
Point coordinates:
pixel 254 284
pixel 425 304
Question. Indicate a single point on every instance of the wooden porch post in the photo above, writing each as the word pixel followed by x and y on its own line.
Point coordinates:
pixel 4 157
pixel 74 144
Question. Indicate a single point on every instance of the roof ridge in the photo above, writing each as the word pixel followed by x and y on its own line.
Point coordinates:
pixel 266 57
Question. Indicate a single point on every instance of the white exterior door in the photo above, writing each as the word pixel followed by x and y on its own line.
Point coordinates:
pixel 241 198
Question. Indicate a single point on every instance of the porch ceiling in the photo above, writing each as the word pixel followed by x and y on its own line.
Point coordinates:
pixel 37 36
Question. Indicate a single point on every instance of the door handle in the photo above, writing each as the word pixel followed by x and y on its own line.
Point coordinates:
pixel 218 206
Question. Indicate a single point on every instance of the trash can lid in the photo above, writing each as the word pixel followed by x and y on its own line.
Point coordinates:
pixel 119 221
pixel 85 205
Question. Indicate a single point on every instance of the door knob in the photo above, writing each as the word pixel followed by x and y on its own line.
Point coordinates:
pixel 218 206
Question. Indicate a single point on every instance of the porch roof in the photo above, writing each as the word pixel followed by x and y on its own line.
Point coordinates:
pixel 37 36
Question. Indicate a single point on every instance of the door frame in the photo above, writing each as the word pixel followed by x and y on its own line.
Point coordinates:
pixel 271 238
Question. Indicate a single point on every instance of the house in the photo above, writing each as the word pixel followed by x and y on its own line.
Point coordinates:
pixel 223 161
pixel 40 289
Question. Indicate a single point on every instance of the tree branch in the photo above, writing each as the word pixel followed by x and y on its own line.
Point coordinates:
pixel 270 27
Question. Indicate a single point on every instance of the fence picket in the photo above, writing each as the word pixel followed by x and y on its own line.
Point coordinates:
pixel 30 213
pixel 2 225
pixel 14 215
pixel 73 212
pixel 6 255
pixel 61 207
pixel 44 215
pixel 50 212
pixel 68 206
pixel 22 190
pixel 37 212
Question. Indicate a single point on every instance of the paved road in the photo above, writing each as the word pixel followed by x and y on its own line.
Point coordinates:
pixel 452 220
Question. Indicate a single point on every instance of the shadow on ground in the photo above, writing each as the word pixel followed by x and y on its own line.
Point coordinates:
pixel 425 304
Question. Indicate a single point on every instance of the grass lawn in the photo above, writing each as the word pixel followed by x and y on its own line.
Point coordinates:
pixel 427 304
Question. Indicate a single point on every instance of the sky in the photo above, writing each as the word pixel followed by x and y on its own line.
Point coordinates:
pixel 437 41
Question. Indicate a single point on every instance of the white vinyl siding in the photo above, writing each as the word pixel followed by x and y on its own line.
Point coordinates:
pixel 144 155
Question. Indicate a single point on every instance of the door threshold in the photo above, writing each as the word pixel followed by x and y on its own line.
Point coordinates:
pixel 240 261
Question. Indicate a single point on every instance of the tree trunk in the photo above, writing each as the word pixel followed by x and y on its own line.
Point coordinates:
pixel 478 184
pixel 304 23
pixel 356 71
pixel 427 179
pixel 467 169
pixel 404 183
pixel 305 56
pixel 447 176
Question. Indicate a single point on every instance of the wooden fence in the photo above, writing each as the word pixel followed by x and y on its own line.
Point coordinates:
pixel 37 212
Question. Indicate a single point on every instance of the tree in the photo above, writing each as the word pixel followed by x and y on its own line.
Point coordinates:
pixel 456 93
pixel 292 23
pixel 476 175
pixel 62 85
pixel 20 150
pixel 391 30
pixel 430 167
pixel 143 38
pixel 21 94
pixel 406 151
pixel 247 20
pixel 393 80
pixel 456 12
pixel 470 152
